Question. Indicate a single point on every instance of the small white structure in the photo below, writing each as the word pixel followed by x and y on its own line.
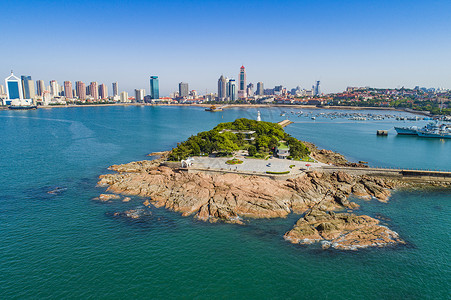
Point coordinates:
pixel 259 118
pixel 283 150
pixel 186 163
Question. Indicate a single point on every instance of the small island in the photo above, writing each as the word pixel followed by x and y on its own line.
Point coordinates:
pixel 251 169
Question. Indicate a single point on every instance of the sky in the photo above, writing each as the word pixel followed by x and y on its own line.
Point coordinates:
pixel 343 43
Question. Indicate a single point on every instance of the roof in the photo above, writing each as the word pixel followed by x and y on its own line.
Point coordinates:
pixel 283 146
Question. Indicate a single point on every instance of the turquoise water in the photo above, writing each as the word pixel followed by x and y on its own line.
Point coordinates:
pixel 69 246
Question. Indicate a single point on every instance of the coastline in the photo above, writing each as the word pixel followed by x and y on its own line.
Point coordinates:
pixel 206 105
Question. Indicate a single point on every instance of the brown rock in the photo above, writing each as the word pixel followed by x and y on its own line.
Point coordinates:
pixel 107 197
pixel 341 230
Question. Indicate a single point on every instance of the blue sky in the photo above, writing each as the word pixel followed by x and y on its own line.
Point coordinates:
pixel 342 43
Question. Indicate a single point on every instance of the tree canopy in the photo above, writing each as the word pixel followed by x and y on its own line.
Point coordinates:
pixel 259 138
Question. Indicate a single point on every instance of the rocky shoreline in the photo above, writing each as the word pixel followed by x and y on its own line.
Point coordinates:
pixel 236 198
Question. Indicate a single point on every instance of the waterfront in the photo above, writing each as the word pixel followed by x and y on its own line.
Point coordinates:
pixel 67 245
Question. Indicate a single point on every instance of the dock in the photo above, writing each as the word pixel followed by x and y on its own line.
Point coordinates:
pixel 284 123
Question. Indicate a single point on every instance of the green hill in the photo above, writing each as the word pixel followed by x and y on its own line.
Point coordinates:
pixel 259 138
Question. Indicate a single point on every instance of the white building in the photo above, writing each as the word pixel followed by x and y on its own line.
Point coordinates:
pixel 139 95
pixel 124 97
pixel 54 89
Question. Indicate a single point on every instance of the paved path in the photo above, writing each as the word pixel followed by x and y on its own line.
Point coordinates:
pixel 255 165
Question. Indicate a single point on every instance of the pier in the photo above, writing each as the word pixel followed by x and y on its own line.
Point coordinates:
pixel 284 123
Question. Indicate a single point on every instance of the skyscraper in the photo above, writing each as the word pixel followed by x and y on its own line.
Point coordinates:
pixel 139 95
pixel 54 88
pixel 40 87
pixel 13 87
pixel 242 87
pixel 28 87
pixel 317 90
pixel 68 90
pixel 183 89
pixel 94 90
pixel 231 89
pixel 250 90
pixel 154 88
pixel 124 97
pixel 103 91
pixel 81 90
pixel 222 92
pixel 115 89
pixel 260 89
pixel 2 89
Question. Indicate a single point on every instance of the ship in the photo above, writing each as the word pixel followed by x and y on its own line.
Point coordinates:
pixel 441 132
pixel 213 108
pixel 412 130
pixel 432 130
pixel 22 104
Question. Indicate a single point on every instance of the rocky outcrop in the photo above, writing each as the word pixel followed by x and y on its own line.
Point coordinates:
pixel 107 197
pixel 233 197
pixel 341 230
pixel 133 213
pixel 331 157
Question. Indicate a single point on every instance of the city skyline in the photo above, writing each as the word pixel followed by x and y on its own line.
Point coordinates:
pixel 357 43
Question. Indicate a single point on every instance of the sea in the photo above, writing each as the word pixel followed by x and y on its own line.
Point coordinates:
pixel 65 245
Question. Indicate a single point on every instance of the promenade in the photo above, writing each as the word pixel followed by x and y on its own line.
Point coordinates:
pixel 260 167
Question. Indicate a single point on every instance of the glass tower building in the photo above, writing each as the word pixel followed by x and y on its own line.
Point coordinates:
pixel 13 87
pixel 28 87
pixel 154 88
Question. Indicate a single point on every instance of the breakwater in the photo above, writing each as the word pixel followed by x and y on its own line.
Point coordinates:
pixel 401 174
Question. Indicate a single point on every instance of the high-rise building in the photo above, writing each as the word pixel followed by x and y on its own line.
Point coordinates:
pixel 94 90
pixel 68 89
pixel 2 89
pixel 54 88
pixel 81 90
pixel 183 89
pixel 154 88
pixel 139 95
pixel 115 89
pixel 40 87
pixel 250 90
pixel 231 89
pixel 28 87
pixel 124 97
pixel 242 87
pixel 103 91
pixel 13 87
pixel 316 89
pixel 260 89
pixel 222 88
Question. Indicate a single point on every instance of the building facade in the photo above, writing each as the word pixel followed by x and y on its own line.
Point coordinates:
pixel 154 87
pixel 260 89
pixel 222 88
pixel 68 90
pixel 54 88
pixel 124 97
pixel 13 87
pixel 103 91
pixel 231 90
pixel 316 89
pixel 94 90
pixel 139 95
pixel 28 87
pixel 40 87
pixel 183 89
pixel 242 86
pixel 81 90
pixel 115 89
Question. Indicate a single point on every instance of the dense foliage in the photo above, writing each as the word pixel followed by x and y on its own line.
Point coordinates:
pixel 222 142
